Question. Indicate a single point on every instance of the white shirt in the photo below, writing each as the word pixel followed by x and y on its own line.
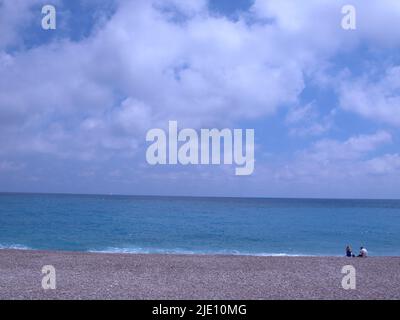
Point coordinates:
pixel 364 252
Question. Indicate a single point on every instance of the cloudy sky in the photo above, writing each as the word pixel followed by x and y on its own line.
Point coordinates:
pixel 76 102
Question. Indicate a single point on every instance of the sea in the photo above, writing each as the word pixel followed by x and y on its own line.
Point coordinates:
pixel 198 225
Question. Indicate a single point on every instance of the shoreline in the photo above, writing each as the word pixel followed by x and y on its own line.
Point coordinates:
pixel 188 253
pixel 89 275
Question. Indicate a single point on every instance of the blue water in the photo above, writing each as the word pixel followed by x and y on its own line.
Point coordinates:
pixel 198 225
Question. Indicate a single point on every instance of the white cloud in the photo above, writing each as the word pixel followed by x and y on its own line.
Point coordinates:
pixel 14 16
pixel 208 70
pixel 377 100
pixel 377 21
pixel 301 114
pixel 306 121
pixel 90 98
pixel 335 160
pixel 352 149
pixel 386 164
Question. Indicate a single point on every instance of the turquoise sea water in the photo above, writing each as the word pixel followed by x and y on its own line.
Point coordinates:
pixel 198 225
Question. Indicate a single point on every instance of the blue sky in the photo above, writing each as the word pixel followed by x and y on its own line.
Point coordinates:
pixel 76 102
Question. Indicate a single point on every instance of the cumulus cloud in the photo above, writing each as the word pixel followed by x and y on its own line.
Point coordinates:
pixel 14 16
pixel 377 99
pixel 153 61
pixel 204 70
pixel 198 72
pixel 334 159
pixel 306 121
pixel 377 22
pixel 384 165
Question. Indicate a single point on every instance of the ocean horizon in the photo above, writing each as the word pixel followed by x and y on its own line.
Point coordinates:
pixel 198 225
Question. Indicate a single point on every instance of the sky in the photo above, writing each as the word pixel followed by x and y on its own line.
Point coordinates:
pixel 76 102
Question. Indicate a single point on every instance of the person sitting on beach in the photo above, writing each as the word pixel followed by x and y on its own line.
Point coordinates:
pixel 349 252
pixel 363 252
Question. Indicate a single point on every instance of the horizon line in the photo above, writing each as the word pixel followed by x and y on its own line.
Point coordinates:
pixel 190 196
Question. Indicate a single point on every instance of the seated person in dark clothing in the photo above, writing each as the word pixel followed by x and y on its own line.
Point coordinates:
pixel 349 253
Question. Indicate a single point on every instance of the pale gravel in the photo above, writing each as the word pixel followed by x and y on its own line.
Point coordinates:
pixel 151 276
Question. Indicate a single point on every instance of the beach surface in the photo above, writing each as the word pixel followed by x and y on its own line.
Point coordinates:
pixel 152 276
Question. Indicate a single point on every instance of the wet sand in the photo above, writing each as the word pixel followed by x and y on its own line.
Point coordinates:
pixel 138 276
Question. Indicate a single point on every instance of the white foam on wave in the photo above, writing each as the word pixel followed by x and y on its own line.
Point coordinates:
pixel 14 247
pixel 139 250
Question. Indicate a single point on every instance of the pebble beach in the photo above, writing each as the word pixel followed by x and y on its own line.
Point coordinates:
pixel 160 276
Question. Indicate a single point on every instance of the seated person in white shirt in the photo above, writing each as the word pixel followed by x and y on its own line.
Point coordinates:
pixel 363 253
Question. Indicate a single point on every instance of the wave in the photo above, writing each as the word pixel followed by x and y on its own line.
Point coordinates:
pixel 178 251
pixel 14 247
